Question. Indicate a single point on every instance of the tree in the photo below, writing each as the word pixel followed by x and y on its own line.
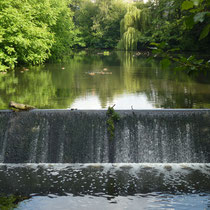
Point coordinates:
pixel 30 31
pixel 99 22
pixel 66 35
pixel 134 23
pixel 25 37
pixel 194 12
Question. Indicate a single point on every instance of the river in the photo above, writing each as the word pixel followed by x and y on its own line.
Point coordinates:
pixel 96 81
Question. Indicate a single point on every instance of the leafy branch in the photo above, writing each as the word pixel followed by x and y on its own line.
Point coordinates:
pixel 199 12
pixel 168 56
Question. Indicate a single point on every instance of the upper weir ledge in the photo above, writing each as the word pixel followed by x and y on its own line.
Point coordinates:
pixel 81 136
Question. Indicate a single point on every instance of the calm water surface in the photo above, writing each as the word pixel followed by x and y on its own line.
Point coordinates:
pixel 96 81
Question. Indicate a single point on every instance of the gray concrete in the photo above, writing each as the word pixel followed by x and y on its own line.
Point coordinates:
pixel 153 136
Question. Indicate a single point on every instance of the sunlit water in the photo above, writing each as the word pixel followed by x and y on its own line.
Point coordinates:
pixel 108 186
pixel 139 202
pixel 95 81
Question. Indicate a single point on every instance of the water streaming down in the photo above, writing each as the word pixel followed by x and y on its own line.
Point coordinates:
pixel 61 158
pixel 64 136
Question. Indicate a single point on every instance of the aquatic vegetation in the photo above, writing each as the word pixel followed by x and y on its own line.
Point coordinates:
pixel 106 53
pixel 11 202
pixel 113 117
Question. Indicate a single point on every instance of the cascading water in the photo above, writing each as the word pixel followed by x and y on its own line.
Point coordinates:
pixel 63 152
pixel 157 136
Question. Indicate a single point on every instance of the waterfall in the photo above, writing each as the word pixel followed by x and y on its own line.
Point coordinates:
pixel 141 136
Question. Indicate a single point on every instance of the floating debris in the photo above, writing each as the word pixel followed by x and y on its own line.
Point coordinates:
pixel 106 53
pixel 99 72
pixel 143 53
pixel 25 69
pixel 91 73
pixel 19 106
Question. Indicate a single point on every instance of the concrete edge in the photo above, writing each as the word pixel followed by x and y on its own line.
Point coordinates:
pixel 104 110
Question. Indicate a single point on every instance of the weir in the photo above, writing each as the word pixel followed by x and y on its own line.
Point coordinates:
pixel 80 136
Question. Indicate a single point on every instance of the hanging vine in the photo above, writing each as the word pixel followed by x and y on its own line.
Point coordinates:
pixel 113 117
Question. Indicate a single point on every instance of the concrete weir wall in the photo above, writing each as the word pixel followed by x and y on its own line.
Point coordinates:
pixel 141 136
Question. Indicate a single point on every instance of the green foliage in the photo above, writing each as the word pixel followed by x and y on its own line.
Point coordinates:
pixel 25 37
pixel 196 13
pixel 113 117
pixel 130 29
pixel 187 5
pixel 99 22
pixel 7 203
pixel 205 32
pixel 10 202
pixel 34 31
pixel 187 64
pixel 40 89
pixel 129 39
pixel 31 30
pixel 179 23
pixel 66 35
pixel 106 53
pixel 199 13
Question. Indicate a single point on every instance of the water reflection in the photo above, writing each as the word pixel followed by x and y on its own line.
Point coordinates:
pixel 139 202
pixel 95 81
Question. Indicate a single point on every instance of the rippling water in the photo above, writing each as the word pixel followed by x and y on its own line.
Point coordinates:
pixel 141 201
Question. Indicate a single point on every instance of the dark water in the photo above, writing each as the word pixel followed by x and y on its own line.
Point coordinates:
pixel 95 81
pixel 107 186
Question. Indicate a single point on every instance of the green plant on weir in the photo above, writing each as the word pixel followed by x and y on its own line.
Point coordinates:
pixel 113 117
pixel 11 202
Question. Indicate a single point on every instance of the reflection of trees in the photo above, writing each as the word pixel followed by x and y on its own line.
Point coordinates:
pixel 54 87
pixel 177 90
pixel 32 87
pixel 80 83
pixel 105 86
pixel 165 88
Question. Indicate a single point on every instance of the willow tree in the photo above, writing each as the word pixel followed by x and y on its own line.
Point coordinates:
pixel 132 26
